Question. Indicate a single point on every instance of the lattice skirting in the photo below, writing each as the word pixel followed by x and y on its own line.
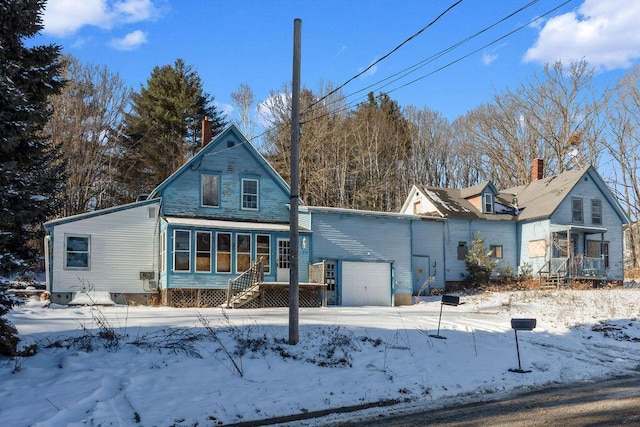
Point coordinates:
pixel 193 297
pixel 215 297
pixel 280 298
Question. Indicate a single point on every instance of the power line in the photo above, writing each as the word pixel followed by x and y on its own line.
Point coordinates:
pixel 418 65
pixel 432 58
pixel 387 54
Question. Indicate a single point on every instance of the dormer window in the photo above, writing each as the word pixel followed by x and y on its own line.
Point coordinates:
pixel 488 203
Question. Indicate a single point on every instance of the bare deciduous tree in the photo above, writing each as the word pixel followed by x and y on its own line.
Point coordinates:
pixel 624 147
pixel 243 102
pixel 86 116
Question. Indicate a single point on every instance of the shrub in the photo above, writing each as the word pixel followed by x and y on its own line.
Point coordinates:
pixel 479 264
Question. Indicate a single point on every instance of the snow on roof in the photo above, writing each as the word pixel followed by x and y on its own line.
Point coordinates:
pixel 236 225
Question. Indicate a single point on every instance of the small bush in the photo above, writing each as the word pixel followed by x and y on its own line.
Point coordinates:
pixel 479 263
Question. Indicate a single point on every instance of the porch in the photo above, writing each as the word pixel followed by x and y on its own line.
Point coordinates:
pixel 575 255
pixel 249 290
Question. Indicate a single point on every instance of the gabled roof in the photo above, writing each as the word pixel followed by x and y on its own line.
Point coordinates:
pixel 477 189
pixel 538 199
pixel 541 198
pixel 216 145
pixel 54 222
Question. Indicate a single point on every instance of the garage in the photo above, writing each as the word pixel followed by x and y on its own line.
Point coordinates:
pixel 366 283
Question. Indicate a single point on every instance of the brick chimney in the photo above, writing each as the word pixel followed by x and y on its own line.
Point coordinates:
pixel 206 131
pixel 537 170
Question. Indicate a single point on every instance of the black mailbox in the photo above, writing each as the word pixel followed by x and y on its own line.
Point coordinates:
pixel 450 300
pixel 523 324
pixel 446 300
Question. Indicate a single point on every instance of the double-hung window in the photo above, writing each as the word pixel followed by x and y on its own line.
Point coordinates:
pixel 576 210
pixel 596 211
pixel 181 250
pixel 243 252
pixel 223 252
pixel 211 190
pixel 250 194
pixel 77 252
pixel 203 251
pixel 263 251
pixel 488 203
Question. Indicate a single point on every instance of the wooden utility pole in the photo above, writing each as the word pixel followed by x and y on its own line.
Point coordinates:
pixel 293 222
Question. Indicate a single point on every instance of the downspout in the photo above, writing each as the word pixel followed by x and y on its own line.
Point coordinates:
pixel 47 263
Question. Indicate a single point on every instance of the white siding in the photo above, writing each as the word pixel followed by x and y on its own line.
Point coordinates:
pixel 123 243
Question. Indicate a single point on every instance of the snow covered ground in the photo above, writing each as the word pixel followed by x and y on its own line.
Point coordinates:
pixel 184 367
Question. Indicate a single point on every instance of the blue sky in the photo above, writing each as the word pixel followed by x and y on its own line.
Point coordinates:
pixel 251 42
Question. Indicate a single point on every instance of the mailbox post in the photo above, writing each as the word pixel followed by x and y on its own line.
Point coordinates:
pixel 446 300
pixel 521 325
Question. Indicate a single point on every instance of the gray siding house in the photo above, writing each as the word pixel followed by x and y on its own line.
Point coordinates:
pixel 560 228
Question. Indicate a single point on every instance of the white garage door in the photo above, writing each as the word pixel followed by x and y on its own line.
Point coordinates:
pixel 366 283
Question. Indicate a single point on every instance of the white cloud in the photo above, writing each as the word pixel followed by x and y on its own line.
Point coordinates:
pixel 604 33
pixel 488 58
pixel 65 17
pixel 129 42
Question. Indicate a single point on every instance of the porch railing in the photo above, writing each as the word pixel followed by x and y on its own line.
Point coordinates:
pixel 567 268
pixel 582 266
pixel 245 281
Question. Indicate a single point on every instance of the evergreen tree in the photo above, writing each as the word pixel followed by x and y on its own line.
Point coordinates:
pixel 163 129
pixel 29 172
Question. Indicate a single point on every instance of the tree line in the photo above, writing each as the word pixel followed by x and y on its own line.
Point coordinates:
pixel 75 138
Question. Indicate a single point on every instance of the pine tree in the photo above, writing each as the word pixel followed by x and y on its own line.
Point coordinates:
pixel 29 171
pixel 163 129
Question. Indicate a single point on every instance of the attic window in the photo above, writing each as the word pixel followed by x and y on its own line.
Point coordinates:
pixel 250 194
pixel 230 143
pixel 488 203
pixel 211 190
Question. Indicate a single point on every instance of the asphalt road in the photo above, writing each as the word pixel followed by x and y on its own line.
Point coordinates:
pixel 612 402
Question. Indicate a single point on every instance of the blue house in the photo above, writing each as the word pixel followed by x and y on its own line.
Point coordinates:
pixel 206 224
pixel 560 228
pixel 216 233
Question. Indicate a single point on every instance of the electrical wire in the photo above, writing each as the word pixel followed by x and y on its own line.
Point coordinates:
pixel 385 56
pixel 420 64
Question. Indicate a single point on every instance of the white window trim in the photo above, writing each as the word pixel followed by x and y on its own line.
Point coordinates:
pixel 230 252
pixel 181 251
pixel 487 201
pixel 210 252
pixel 202 177
pixel 84 236
pixel 243 180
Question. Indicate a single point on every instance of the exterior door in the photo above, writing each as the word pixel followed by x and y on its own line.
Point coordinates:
pixel 421 275
pixel 330 281
pixel 284 260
